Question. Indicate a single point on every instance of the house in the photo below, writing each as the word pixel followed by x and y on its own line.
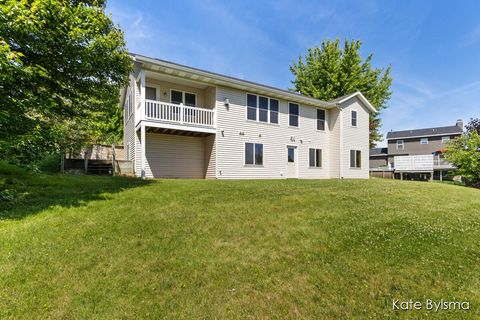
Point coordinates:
pixel 416 152
pixel 183 122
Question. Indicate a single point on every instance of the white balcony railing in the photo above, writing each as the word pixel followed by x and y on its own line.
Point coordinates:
pixel 180 114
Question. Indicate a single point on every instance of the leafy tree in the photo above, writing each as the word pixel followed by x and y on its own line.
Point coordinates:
pixel 62 63
pixel 464 153
pixel 328 72
pixel 473 125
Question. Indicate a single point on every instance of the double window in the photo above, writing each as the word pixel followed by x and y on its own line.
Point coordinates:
pixel 354 118
pixel 262 108
pixel 182 97
pixel 424 141
pixel 293 114
pixel 254 154
pixel 355 159
pixel 445 139
pixel 315 158
pixel 400 145
pixel 321 119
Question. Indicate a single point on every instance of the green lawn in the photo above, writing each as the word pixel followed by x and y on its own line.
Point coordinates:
pixel 100 247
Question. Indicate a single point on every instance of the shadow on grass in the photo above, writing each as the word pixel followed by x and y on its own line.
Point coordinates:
pixel 23 193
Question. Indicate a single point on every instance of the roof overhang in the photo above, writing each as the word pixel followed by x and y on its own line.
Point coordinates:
pixel 426 136
pixel 211 78
pixel 362 98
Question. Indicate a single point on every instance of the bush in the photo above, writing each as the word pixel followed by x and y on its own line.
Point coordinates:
pixel 50 163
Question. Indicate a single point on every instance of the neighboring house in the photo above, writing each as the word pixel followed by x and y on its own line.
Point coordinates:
pixel 425 147
pixel 379 158
pixel 183 122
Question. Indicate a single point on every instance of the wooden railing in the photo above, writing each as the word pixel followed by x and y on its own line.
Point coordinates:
pixel 181 114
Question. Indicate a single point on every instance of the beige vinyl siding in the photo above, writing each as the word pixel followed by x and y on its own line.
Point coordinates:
pixel 165 88
pixel 233 131
pixel 173 156
pixel 210 157
pixel 355 138
pixel 129 129
pixel 334 127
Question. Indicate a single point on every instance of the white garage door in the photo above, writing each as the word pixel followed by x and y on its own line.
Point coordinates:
pixel 173 156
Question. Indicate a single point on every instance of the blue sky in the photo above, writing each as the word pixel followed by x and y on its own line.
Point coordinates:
pixel 433 46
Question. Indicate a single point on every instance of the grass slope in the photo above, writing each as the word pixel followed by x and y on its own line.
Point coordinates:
pixel 95 247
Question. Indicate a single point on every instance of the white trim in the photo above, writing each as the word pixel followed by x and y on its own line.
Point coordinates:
pixel 143 153
pixel 361 97
pixel 218 79
pixel 183 127
pixel 426 135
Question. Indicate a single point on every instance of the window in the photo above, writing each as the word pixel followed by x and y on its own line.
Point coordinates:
pixel 400 145
pixel 321 119
pixel 254 153
pixel 273 111
pixel 315 158
pixel 354 118
pixel 424 141
pixel 355 159
pixel 263 109
pixel 179 97
pixel 445 139
pixel 128 106
pixel 293 114
pixel 251 107
pixel 190 99
pixel 176 97
pixel 291 154
pixel 150 93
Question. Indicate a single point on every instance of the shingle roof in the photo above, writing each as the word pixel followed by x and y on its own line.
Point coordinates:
pixel 379 151
pixel 424 132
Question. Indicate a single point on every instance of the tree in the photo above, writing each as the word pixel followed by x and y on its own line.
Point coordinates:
pixel 464 153
pixel 473 125
pixel 328 72
pixel 62 63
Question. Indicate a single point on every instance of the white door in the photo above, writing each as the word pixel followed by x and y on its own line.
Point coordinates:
pixel 292 159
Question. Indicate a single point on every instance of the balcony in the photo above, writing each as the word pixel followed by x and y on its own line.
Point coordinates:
pixel 179 117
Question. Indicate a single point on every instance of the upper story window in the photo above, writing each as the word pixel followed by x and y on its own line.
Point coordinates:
pixel 315 158
pixel 254 154
pixel 445 139
pixel 424 141
pixel 321 119
pixel 293 114
pixel 354 118
pixel 355 159
pixel 400 145
pixel 182 97
pixel 150 93
pixel 262 109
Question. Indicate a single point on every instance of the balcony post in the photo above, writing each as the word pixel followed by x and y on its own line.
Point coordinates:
pixel 142 94
pixel 142 151
pixel 182 110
